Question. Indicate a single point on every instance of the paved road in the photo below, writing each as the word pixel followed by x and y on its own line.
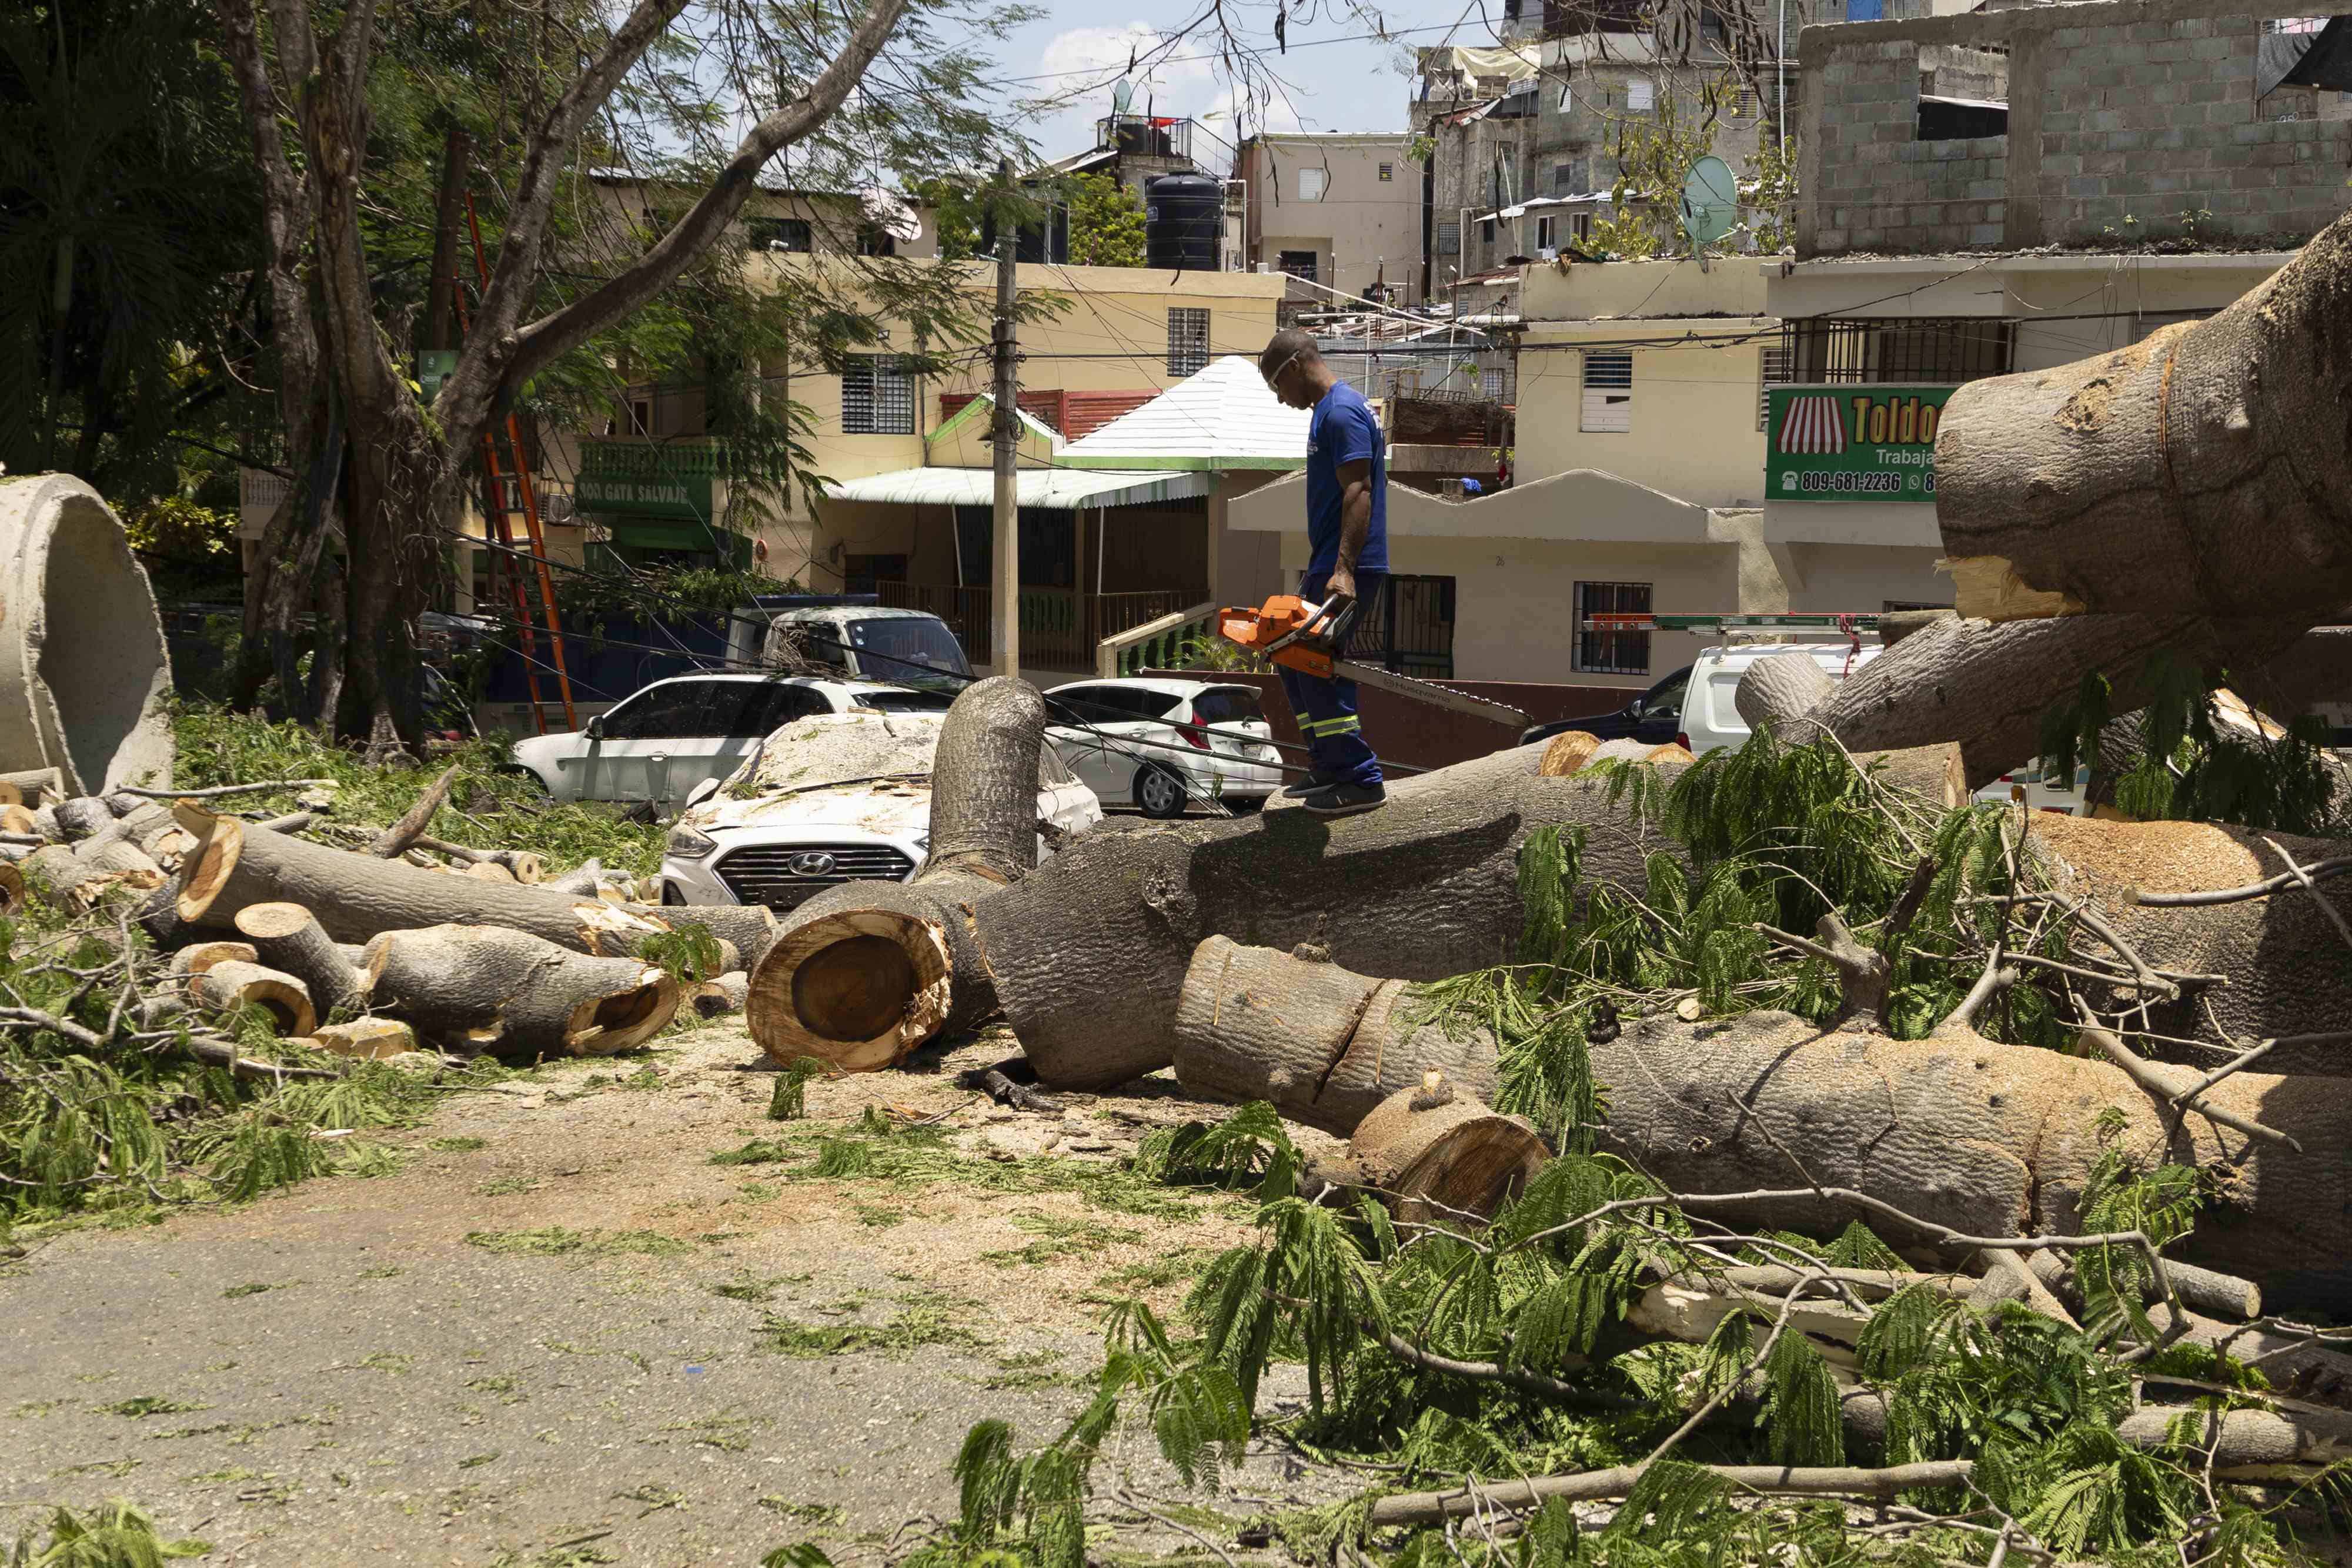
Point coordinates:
pixel 339 1374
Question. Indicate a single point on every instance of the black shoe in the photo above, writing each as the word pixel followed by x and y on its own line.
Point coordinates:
pixel 1347 800
pixel 1313 784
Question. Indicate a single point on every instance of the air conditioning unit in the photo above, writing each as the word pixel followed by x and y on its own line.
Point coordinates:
pixel 557 507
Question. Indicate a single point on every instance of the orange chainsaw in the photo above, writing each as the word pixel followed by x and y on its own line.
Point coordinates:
pixel 1290 630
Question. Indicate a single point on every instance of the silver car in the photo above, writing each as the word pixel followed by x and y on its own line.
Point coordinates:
pixel 1161 745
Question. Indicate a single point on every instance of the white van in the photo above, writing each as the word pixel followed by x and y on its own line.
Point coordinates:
pixel 1711 721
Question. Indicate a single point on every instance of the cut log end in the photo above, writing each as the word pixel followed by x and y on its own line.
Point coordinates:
pixel 1435 1155
pixel 623 1019
pixel 858 990
pixel 219 841
pixel 1566 754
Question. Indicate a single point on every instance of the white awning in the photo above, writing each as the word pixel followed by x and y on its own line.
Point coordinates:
pixel 1058 489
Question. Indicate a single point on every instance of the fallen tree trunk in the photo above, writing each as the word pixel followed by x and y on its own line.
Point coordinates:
pixel 2288 970
pixel 1990 686
pixel 2202 471
pixel 1988 1140
pixel 358 896
pixel 1597 1485
pixel 863 974
pixel 1425 887
pixel 288 937
pixel 477 988
pixel 1325 1045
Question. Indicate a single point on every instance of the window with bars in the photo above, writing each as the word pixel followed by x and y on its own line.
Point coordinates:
pixel 1188 342
pixel 1608 394
pixel 1449 237
pixel 790 236
pixel 1612 652
pixel 878 395
pixel 1771 371
pixel 1930 351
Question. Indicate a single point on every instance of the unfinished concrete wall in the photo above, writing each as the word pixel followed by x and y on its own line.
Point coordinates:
pixel 2129 121
pixel 84 674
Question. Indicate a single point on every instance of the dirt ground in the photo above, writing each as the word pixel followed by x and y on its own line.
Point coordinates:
pixel 554 1333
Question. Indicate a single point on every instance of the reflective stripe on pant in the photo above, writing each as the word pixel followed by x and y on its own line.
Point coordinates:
pixel 1325 710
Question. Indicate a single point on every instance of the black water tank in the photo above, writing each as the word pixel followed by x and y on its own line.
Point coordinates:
pixel 1183 223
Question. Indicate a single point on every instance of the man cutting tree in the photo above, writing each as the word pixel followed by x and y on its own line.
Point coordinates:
pixel 1347 556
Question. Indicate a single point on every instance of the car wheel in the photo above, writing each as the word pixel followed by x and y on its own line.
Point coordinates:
pixel 1157 792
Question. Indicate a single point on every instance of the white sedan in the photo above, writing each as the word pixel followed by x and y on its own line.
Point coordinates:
pixel 1161 745
pixel 662 741
pixel 839 798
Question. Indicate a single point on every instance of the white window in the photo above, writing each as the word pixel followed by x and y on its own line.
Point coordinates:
pixel 878 395
pixel 1608 394
pixel 1490 385
pixel 1640 95
pixel 1543 234
pixel 1771 371
pixel 1188 342
pixel 1311 182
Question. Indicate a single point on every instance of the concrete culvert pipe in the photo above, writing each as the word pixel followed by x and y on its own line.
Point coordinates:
pixel 83 670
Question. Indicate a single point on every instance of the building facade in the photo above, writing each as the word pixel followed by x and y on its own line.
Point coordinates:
pixel 1339 213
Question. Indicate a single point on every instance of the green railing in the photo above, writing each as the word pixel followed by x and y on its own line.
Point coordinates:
pixel 1154 644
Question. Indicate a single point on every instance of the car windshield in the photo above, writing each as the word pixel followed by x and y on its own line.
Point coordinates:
pixel 838 748
pixel 904 701
pixel 903 648
pixel 1227 705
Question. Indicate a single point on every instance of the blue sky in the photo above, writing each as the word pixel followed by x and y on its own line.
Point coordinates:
pixel 1336 77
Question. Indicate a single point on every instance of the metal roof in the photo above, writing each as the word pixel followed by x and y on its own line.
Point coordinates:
pixel 1223 417
pixel 1056 489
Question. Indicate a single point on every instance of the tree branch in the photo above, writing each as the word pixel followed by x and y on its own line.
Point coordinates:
pixel 549 338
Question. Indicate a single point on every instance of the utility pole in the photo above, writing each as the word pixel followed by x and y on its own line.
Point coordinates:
pixel 1005 579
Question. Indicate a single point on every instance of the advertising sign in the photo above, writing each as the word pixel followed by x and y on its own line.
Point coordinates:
pixel 1853 442
pixel 644 479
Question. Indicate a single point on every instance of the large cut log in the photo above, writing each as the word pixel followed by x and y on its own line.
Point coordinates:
pixel 1434 1155
pixel 1324 1044
pixel 2202 471
pixel 1988 1140
pixel 477 988
pixel 356 896
pixel 2289 973
pixel 1990 686
pixel 1089 955
pixel 233 984
pixel 863 974
pixel 288 937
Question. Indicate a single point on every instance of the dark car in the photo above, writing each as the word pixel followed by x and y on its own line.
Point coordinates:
pixel 1655 717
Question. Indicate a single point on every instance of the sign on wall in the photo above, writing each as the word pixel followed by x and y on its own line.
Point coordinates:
pixel 1853 442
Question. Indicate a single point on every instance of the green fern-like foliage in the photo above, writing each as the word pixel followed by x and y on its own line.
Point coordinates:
pixel 689 951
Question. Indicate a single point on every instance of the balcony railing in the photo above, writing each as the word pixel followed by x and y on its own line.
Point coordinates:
pixel 1060 628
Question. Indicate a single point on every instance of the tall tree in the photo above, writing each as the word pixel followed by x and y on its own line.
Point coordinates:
pixel 574 91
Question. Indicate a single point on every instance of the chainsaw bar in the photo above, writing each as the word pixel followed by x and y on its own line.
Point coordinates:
pixel 1431 692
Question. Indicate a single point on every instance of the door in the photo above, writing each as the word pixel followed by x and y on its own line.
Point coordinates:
pixel 630 760
pixel 741 714
pixel 1081 715
pixel 1662 709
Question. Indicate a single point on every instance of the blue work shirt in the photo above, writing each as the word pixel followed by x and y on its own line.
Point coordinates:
pixel 1344 430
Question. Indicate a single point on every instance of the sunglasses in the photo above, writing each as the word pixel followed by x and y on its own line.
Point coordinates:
pixel 1273 376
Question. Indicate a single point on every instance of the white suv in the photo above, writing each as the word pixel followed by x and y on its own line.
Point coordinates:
pixel 659 743
pixel 1710 716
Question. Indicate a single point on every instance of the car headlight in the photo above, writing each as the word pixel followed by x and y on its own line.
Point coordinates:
pixel 688 846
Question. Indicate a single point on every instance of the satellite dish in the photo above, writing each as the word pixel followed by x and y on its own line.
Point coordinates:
pixel 1121 96
pixel 894 218
pixel 1711 201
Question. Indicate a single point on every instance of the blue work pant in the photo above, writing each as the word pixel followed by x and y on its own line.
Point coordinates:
pixel 1325 710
